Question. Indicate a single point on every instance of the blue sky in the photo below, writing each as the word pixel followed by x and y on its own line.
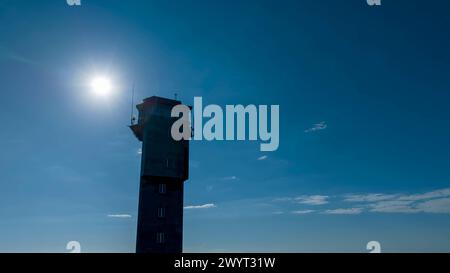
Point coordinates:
pixel 364 138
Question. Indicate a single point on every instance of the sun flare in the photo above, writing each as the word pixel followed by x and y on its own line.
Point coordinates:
pixel 101 86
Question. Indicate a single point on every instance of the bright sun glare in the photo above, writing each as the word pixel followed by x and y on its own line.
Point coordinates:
pixel 101 86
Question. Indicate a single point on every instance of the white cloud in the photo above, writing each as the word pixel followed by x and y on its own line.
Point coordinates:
pixel 350 211
pixel 122 216
pixel 428 195
pixel 306 211
pixel 317 127
pixel 437 201
pixel 372 197
pixel 139 151
pixel 205 206
pixel 393 206
pixel 314 200
pixel 441 205
pixel 264 157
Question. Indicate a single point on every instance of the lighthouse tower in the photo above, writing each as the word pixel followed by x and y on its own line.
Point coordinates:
pixel 164 168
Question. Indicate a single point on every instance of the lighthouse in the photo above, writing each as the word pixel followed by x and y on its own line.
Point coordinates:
pixel 164 169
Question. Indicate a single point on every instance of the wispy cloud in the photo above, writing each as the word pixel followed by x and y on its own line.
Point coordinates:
pixel 347 211
pixel 264 157
pixel 428 195
pixel 13 56
pixel 314 200
pixel 436 201
pixel 305 211
pixel 317 127
pixel 230 178
pixel 205 206
pixel 372 197
pixel 277 212
pixel 139 151
pixel 121 216
pixel 392 206
pixel 441 205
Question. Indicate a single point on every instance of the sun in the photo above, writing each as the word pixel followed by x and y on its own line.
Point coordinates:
pixel 101 86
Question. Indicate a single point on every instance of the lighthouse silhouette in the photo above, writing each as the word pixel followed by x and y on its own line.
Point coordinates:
pixel 164 169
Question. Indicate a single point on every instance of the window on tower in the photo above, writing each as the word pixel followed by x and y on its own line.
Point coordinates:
pixel 162 188
pixel 160 238
pixel 161 212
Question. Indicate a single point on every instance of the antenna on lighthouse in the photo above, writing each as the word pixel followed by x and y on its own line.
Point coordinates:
pixel 133 118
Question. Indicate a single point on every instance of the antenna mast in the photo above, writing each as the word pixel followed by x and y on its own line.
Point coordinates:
pixel 132 106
